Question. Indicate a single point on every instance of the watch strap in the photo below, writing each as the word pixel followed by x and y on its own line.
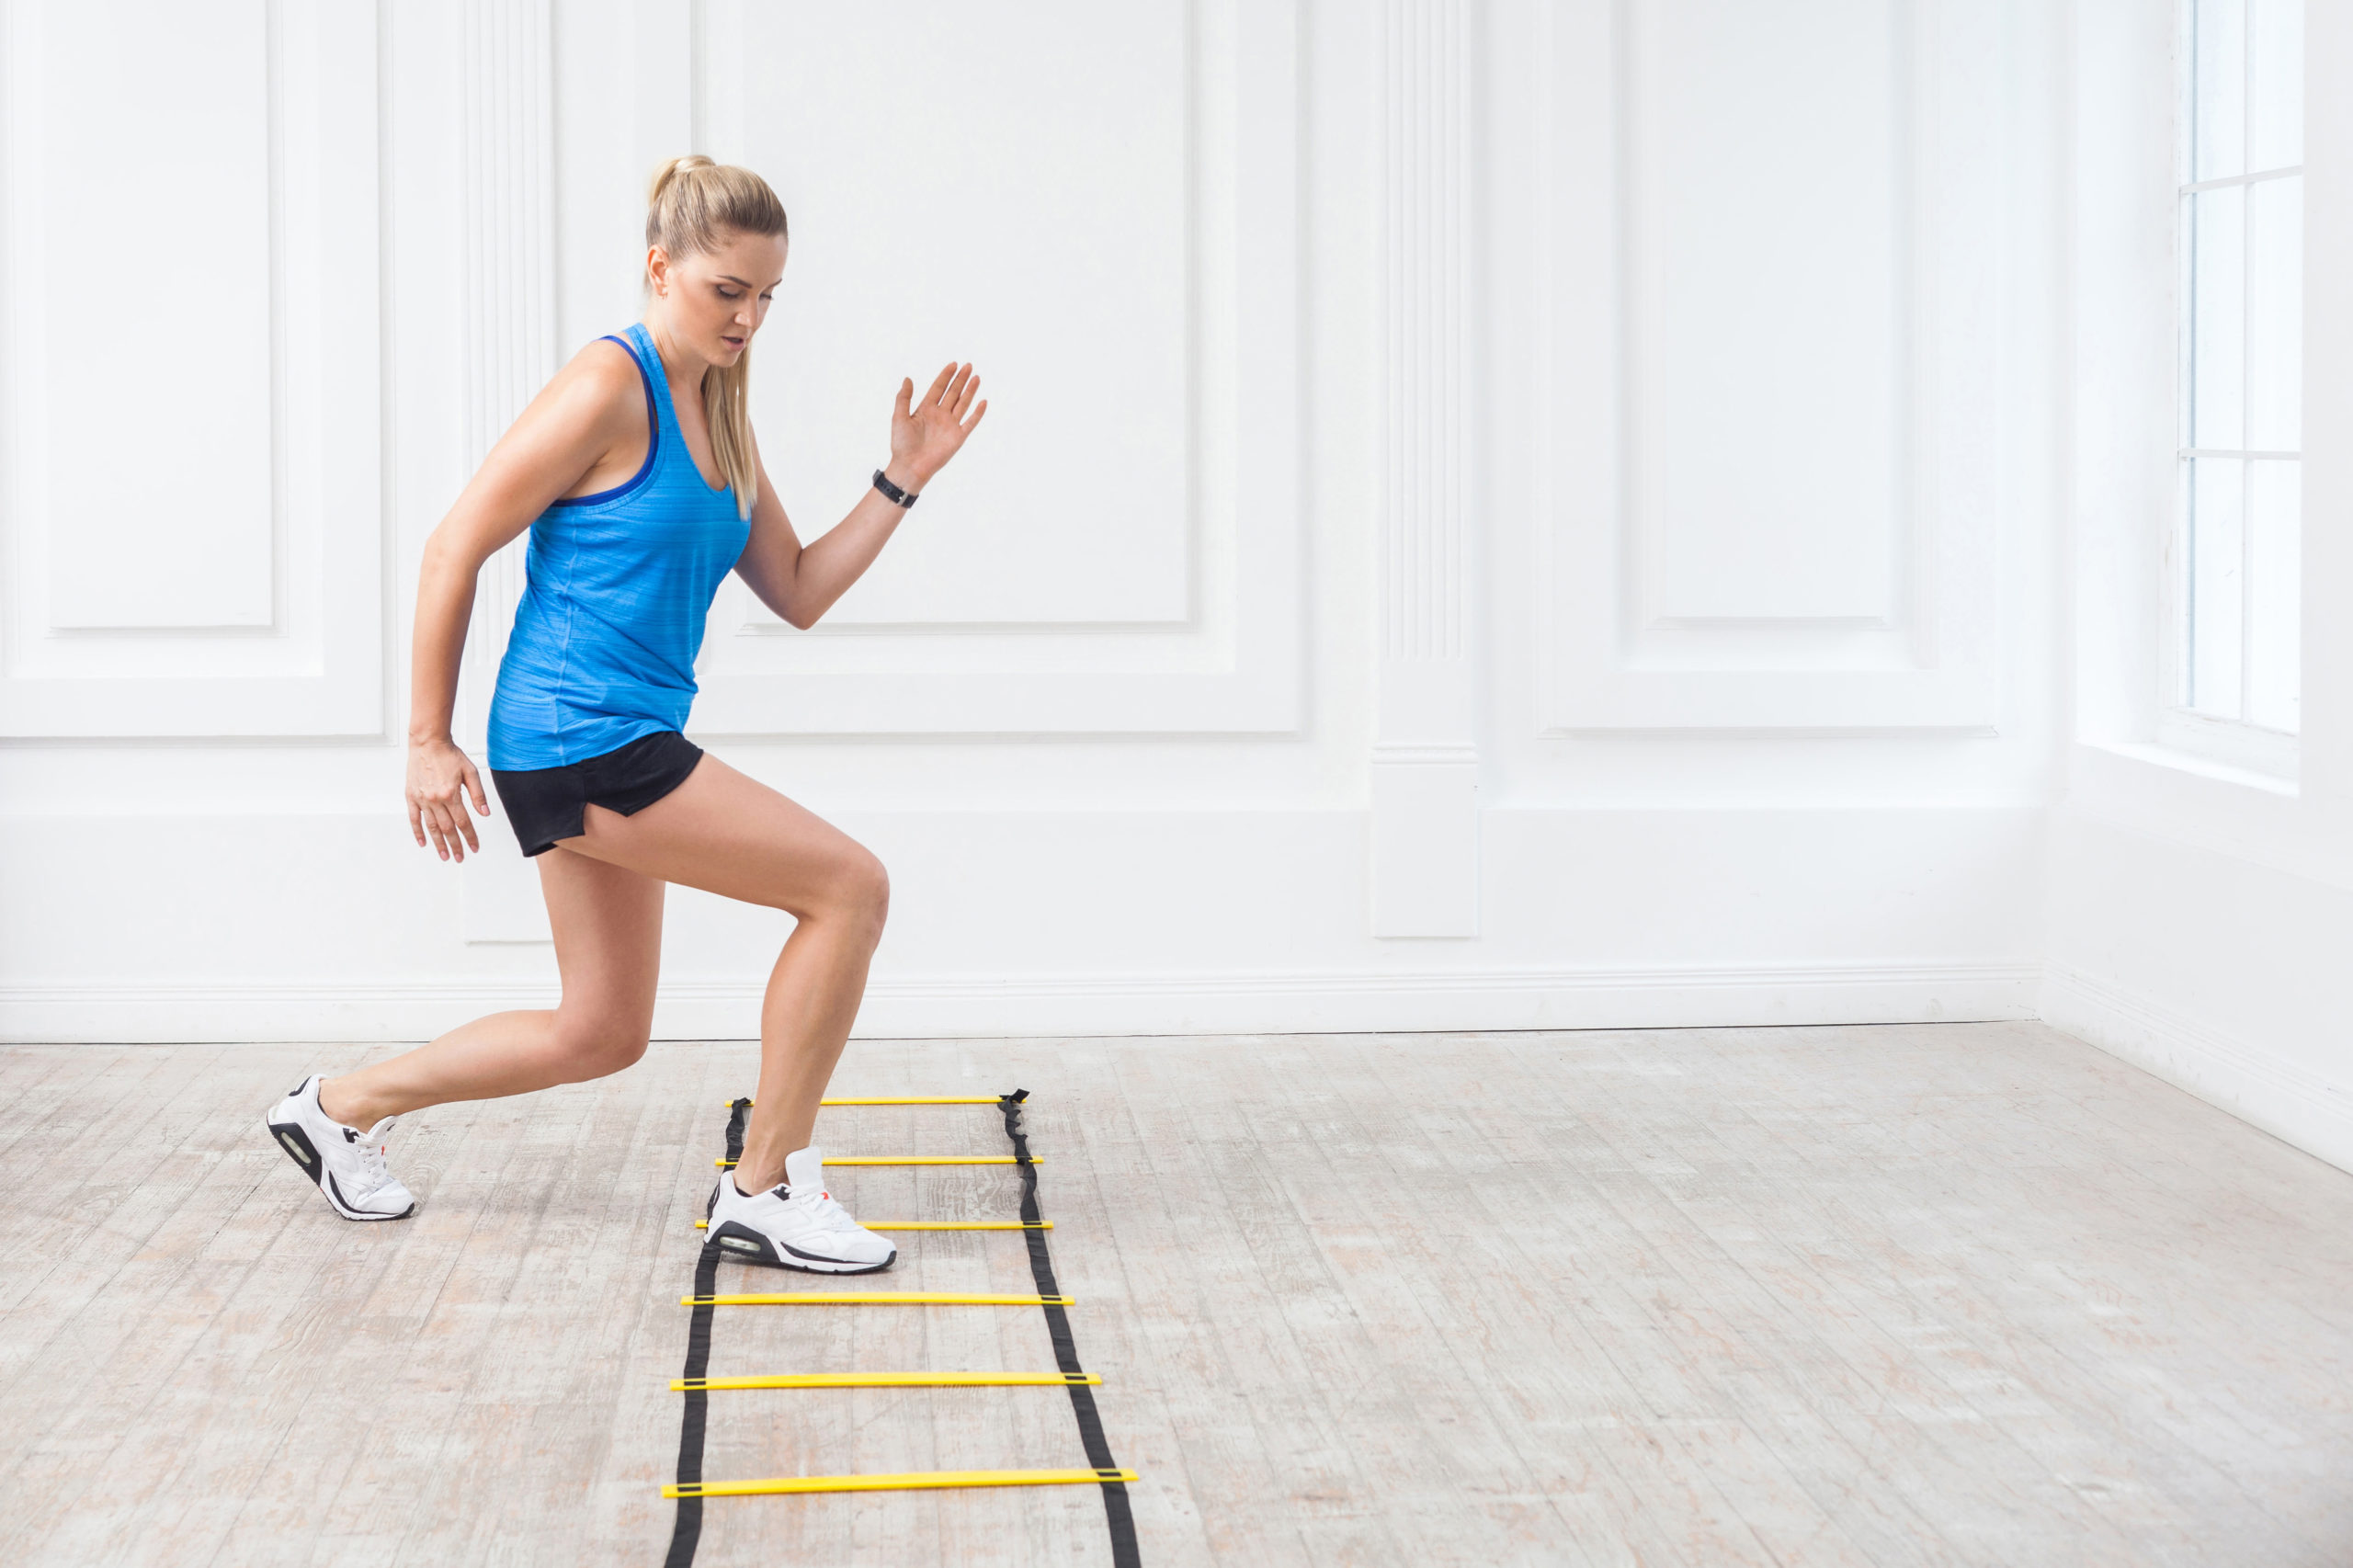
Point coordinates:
pixel 892 492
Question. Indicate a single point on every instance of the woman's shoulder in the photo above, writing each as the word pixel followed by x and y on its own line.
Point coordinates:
pixel 601 384
pixel 606 365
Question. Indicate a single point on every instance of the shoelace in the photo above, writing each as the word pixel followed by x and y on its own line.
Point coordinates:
pixel 821 1206
pixel 372 1153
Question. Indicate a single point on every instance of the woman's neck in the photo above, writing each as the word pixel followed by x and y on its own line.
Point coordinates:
pixel 683 367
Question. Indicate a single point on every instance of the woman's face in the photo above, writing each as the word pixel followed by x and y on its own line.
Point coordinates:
pixel 717 301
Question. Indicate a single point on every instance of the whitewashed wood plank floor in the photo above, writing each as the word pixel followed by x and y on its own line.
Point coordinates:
pixel 1891 1296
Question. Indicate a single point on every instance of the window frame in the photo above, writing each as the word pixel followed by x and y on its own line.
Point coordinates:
pixel 2238 742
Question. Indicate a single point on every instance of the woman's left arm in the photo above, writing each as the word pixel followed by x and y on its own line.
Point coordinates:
pixel 801 582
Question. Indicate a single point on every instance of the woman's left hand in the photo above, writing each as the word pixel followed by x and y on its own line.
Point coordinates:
pixel 925 433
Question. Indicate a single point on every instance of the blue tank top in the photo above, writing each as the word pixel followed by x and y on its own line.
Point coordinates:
pixel 618 586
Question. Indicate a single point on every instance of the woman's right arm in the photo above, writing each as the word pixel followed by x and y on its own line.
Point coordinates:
pixel 591 408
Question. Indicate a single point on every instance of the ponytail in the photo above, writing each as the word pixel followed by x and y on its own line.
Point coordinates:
pixel 693 206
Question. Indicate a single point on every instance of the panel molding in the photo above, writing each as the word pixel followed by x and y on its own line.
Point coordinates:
pixel 316 668
pixel 1424 324
pixel 510 350
pixel 1177 1002
pixel 1422 769
pixel 510 354
pixel 1613 661
pixel 1234 663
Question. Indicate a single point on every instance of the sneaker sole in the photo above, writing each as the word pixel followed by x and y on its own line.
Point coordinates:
pixel 299 1147
pixel 744 1244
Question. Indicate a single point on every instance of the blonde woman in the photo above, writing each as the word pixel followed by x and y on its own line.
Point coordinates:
pixel 636 473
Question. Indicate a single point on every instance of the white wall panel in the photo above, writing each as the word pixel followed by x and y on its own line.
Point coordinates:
pixel 1109 236
pixel 189 427
pixel 914 243
pixel 1772 235
pixel 161 325
pixel 1767 149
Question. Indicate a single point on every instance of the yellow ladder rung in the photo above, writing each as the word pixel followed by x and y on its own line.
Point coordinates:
pixel 908 1099
pixel 873 1299
pixel 917 1480
pixel 939 1224
pixel 918 1160
pixel 888 1380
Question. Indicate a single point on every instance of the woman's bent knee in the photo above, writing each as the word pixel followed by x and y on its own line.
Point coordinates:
pixel 871 895
pixel 594 1053
pixel 853 893
pixel 855 896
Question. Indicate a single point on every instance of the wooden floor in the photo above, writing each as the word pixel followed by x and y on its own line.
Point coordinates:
pixel 1957 1294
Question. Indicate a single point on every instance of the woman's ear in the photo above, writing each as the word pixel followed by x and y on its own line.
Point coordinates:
pixel 657 268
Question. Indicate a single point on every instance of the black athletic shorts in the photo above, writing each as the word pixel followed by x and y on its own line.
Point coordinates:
pixel 548 803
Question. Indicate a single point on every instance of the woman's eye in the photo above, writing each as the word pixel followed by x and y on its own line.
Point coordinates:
pixel 729 294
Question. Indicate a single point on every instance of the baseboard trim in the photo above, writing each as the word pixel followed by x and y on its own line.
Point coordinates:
pixel 965 1007
pixel 2285 1100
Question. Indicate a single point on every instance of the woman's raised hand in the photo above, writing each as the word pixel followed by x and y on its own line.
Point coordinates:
pixel 439 780
pixel 927 432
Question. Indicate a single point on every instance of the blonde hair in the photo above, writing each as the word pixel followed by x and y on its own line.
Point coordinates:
pixel 694 204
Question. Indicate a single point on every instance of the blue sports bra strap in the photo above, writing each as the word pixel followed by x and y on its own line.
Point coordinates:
pixel 652 415
pixel 653 438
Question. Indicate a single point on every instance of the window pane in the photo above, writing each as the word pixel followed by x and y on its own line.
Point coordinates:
pixel 2274 661
pixel 2275 310
pixel 2216 549
pixel 2276 84
pixel 2218 89
pixel 2217 285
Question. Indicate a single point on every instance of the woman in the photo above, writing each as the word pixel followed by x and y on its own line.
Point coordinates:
pixel 636 471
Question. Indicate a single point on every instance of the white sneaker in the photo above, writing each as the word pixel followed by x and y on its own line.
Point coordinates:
pixel 348 1164
pixel 795 1224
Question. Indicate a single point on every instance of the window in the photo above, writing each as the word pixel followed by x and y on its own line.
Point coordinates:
pixel 2233 670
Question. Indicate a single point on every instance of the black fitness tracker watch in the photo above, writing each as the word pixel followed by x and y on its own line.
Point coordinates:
pixel 892 492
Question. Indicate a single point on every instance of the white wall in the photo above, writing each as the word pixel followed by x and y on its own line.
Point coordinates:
pixel 2201 916
pixel 1485 518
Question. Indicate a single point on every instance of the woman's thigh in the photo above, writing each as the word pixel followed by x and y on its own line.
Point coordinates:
pixel 731 834
pixel 607 920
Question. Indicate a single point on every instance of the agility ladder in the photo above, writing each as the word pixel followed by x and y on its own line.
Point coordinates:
pixel 696 1385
